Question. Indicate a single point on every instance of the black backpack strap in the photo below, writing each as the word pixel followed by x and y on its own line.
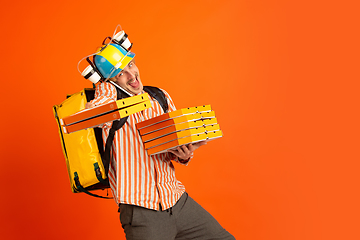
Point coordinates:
pixel 80 188
pixel 117 124
pixel 106 157
pixel 158 95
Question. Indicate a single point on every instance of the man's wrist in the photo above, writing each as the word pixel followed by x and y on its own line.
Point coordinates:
pixel 184 160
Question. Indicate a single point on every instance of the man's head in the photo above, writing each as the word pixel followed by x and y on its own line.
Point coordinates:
pixel 129 78
pixel 110 58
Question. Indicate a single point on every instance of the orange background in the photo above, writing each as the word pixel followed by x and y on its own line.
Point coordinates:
pixel 282 77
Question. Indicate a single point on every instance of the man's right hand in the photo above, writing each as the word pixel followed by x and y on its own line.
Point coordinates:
pixel 89 105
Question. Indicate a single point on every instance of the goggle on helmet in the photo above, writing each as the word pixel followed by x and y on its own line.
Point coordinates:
pixel 110 59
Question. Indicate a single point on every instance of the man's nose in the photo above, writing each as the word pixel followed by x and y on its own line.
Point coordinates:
pixel 130 74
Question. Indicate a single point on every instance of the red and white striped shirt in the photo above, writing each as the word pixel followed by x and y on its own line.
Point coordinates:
pixel 136 178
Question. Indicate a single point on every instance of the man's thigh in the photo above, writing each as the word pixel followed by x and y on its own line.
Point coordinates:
pixel 144 224
pixel 194 222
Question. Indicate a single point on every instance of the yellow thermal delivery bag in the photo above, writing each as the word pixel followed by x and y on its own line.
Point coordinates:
pixel 82 149
pixel 81 140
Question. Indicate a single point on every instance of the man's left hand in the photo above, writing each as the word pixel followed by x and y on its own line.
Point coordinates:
pixel 184 152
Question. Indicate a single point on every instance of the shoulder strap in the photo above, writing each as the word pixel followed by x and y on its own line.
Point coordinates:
pixel 158 95
pixel 117 124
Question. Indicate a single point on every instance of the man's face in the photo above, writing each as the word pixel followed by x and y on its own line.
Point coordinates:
pixel 129 79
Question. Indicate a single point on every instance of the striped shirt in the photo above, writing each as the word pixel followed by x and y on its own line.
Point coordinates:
pixel 136 178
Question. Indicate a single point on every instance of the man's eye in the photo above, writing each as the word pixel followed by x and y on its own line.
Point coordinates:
pixel 121 73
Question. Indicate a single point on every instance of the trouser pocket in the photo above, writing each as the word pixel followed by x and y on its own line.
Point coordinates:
pixel 126 215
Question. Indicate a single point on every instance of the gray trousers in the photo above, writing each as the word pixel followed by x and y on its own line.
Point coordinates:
pixel 185 220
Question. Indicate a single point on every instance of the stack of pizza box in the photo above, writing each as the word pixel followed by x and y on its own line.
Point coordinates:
pixel 177 128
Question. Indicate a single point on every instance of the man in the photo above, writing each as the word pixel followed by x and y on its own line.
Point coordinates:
pixel 153 204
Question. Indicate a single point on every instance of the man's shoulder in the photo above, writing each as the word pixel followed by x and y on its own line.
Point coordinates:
pixel 157 89
pixel 154 91
pixel 106 84
pixel 159 94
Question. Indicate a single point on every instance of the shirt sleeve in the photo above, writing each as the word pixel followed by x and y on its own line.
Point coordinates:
pixel 105 92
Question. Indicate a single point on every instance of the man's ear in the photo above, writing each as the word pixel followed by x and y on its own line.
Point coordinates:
pixel 113 79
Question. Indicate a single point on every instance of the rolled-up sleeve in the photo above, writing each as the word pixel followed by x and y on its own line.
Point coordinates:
pixel 105 92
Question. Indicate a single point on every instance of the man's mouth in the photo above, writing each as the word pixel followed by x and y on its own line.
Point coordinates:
pixel 134 82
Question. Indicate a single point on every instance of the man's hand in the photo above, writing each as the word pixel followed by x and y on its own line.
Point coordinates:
pixel 89 105
pixel 184 152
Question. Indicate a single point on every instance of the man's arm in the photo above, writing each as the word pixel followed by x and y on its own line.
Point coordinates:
pixel 105 92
